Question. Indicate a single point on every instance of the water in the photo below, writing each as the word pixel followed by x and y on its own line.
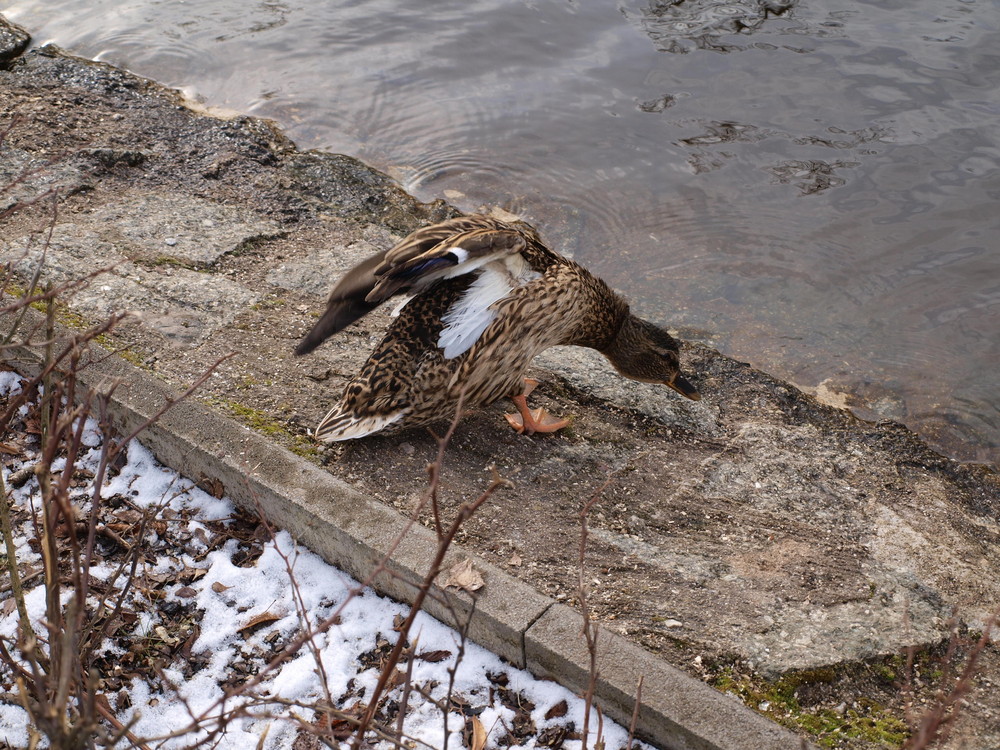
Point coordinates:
pixel 809 186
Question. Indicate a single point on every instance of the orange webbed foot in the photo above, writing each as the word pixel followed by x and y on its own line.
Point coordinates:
pixel 529 421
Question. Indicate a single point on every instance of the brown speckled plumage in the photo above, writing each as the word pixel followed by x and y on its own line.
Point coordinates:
pixel 409 378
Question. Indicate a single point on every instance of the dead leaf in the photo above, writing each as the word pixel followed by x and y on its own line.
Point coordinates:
pixel 189 643
pixel 557 711
pixel 397 678
pixel 212 486
pixel 163 635
pixel 186 592
pixel 478 734
pixel 102 700
pixel 191 574
pixel 338 724
pixel 434 656
pixel 218 588
pixel 554 736
pixel 463 576
pixel 9 449
pixel 256 621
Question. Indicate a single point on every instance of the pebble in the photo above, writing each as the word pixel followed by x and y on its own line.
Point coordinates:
pixel 170 241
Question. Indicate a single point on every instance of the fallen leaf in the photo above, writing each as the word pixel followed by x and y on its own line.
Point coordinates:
pixel 212 486
pixel 256 621
pixel 478 734
pixel 554 736
pixel 102 700
pixel 186 592
pixel 191 574
pixel 163 635
pixel 218 588
pixel 189 643
pixel 434 656
pixel 338 724
pixel 557 711
pixel 463 576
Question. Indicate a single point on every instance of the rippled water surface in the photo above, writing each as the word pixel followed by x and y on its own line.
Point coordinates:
pixel 810 186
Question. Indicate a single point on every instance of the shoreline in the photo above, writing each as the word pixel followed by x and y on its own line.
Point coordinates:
pixel 758 528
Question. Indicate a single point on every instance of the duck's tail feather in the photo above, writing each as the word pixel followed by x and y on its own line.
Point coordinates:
pixel 345 425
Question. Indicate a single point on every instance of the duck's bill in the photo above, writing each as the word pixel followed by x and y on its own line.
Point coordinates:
pixel 684 388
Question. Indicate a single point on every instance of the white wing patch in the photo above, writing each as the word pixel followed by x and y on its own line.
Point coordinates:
pixel 466 320
pixel 465 265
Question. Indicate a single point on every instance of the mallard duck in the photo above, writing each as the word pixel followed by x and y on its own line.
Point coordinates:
pixel 483 297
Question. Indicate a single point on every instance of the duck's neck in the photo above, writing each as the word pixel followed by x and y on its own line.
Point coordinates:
pixel 607 317
pixel 624 339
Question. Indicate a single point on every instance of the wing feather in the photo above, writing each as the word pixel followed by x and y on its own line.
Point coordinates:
pixel 440 251
pixel 453 256
pixel 347 302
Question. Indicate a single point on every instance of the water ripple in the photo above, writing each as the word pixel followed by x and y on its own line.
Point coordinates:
pixel 822 203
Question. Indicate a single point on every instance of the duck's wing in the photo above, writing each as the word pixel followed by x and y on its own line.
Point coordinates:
pixel 444 251
pixel 345 304
pixel 440 251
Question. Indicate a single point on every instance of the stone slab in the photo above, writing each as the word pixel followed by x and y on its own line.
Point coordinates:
pixel 676 712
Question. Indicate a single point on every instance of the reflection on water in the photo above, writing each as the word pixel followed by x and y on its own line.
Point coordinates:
pixel 676 26
pixel 809 186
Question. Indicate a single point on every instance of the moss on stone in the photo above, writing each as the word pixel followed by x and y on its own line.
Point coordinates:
pixel 261 422
pixel 865 720
pixel 166 260
pixel 76 322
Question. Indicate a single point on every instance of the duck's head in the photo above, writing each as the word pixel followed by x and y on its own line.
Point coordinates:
pixel 645 352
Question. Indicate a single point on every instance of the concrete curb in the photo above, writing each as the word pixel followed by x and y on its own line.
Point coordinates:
pixel 356 534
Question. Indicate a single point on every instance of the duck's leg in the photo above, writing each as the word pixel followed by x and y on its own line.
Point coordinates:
pixel 528 421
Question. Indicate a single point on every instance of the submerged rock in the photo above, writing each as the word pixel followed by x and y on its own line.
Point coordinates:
pixel 13 40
